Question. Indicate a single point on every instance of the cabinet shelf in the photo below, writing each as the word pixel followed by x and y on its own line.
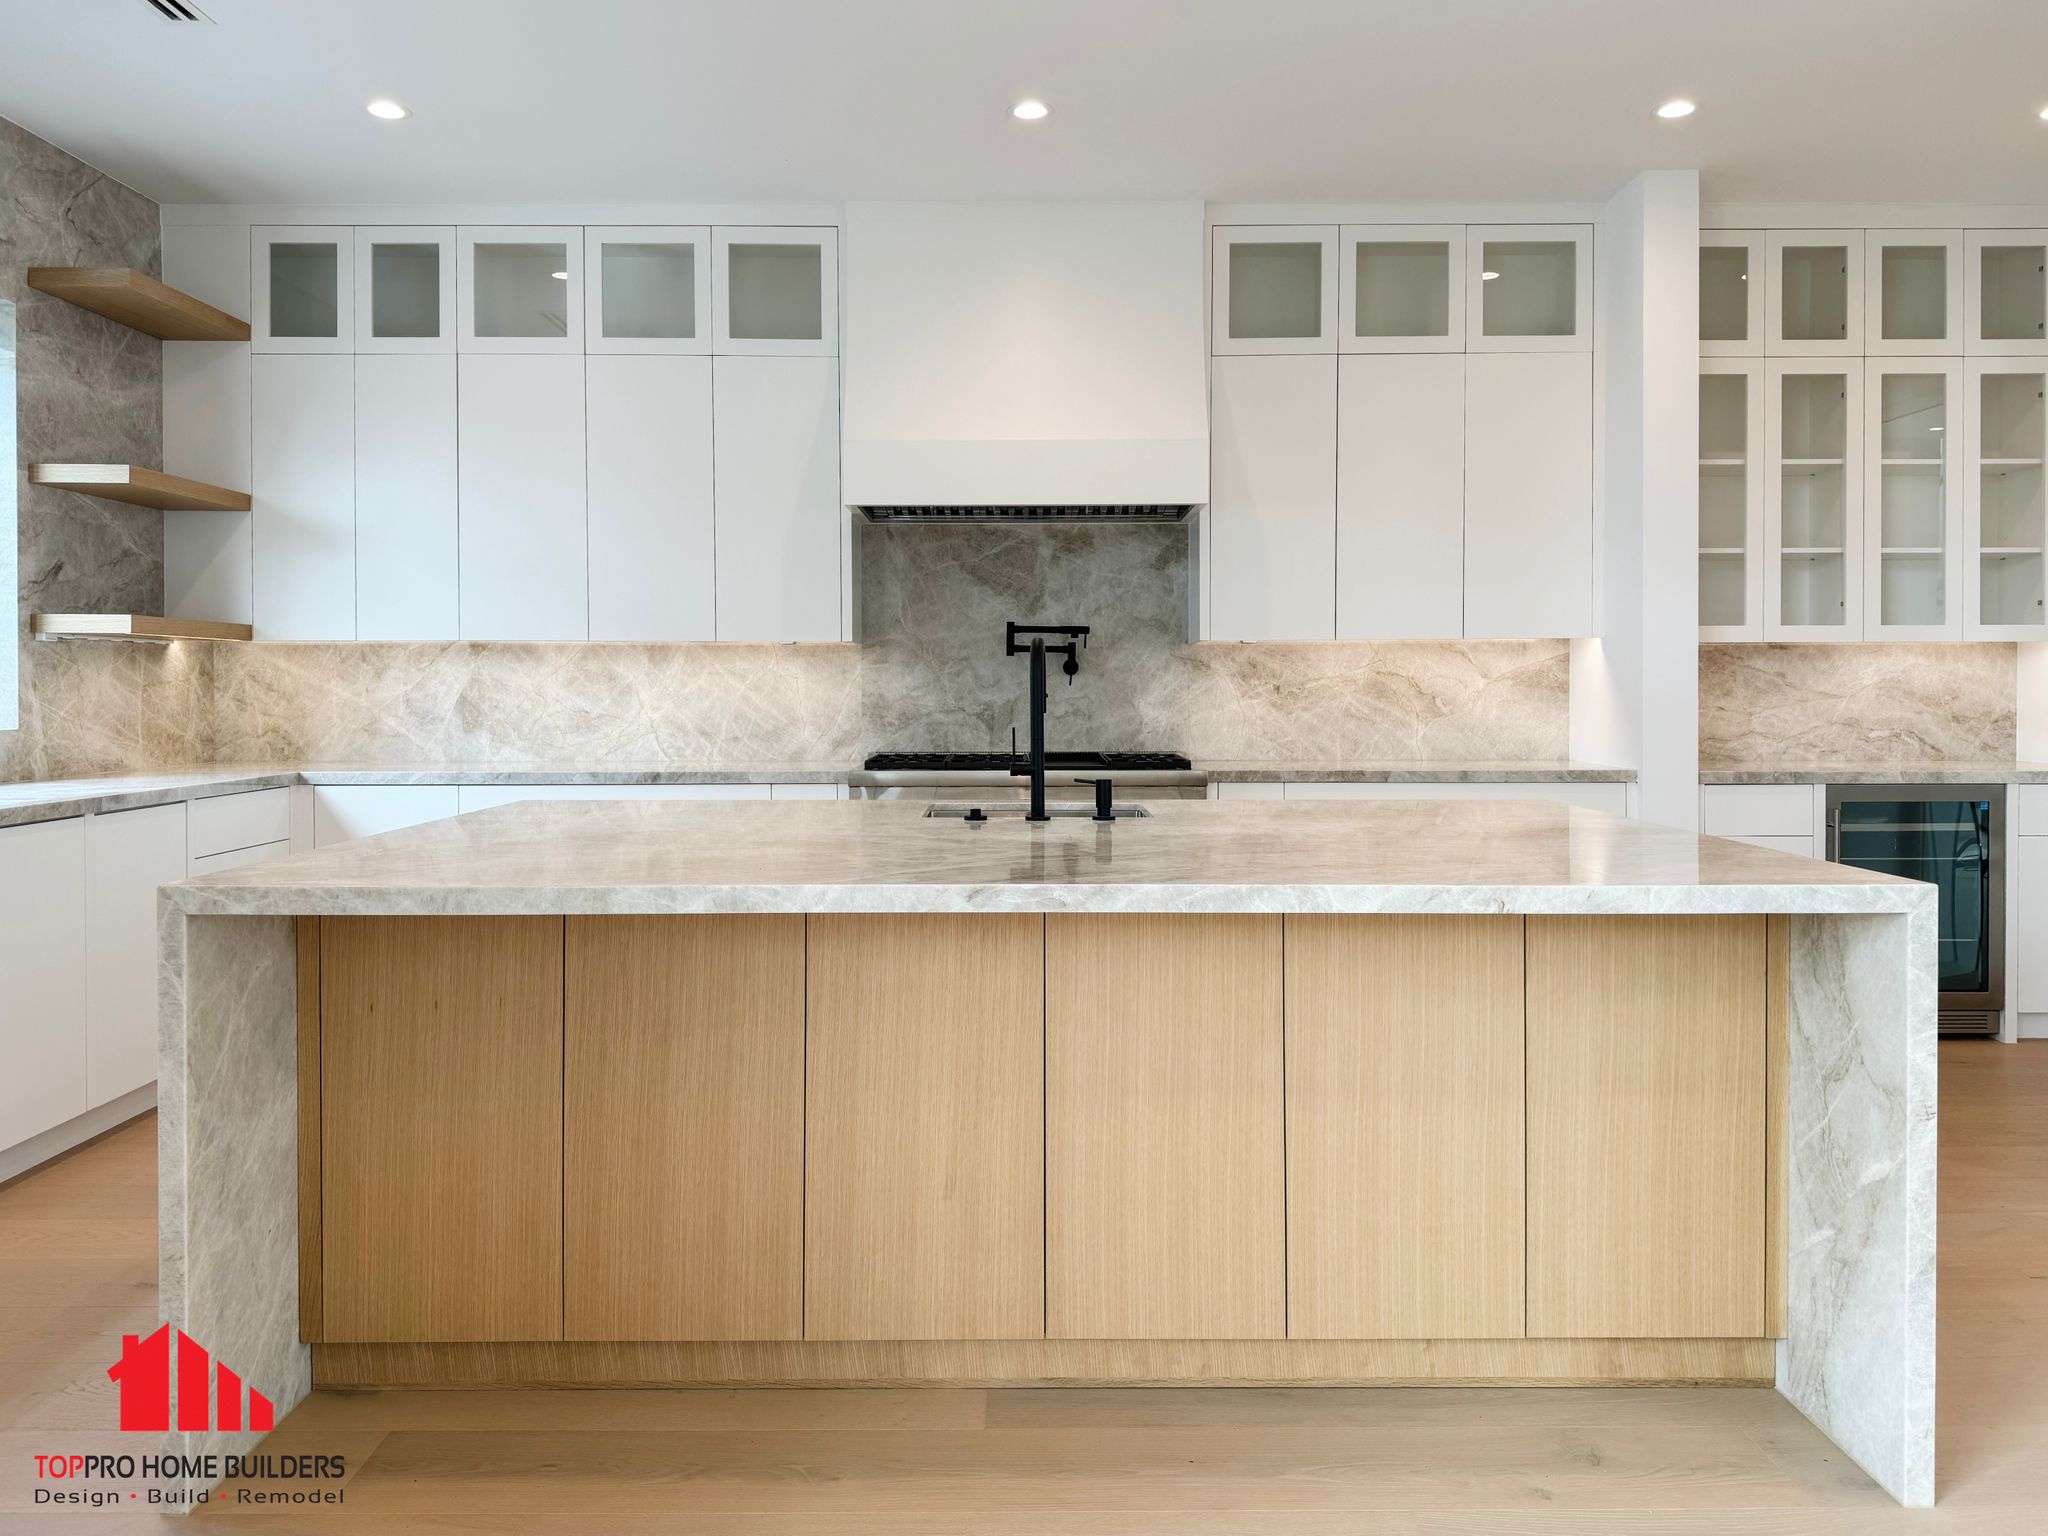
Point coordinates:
pixel 2011 549
pixel 132 626
pixel 1812 549
pixel 139 301
pixel 1991 463
pixel 1927 464
pixel 139 486
pixel 1811 463
pixel 1735 552
pixel 1910 549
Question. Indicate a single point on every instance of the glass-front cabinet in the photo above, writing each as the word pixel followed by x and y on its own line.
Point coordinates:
pixel 2005 292
pixel 1813 510
pixel 1913 527
pixel 2005 517
pixel 302 288
pixel 647 289
pixel 405 289
pixel 520 288
pixel 1913 280
pixel 1731 293
pixel 776 292
pixel 1401 288
pixel 1814 293
pixel 1273 289
pixel 1529 288
pixel 1731 539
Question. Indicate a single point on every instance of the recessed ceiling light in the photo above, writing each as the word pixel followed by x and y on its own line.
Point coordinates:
pixel 1678 108
pixel 387 109
pixel 1029 110
pixel 1487 277
pixel 560 277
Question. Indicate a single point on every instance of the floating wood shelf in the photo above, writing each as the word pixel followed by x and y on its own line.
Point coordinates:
pixel 140 486
pixel 132 626
pixel 139 301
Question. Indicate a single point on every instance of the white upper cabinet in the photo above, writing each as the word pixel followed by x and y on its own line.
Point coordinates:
pixel 1913 523
pixel 1731 499
pixel 2005 515
pixel 777 515
pixel 1913 279
pixel 302 485
pixel 1273 289
pixel 302 288
pixel 1814 517
pixel 519 288
pixel 406 499
pixel 2005 292
pixel 405 289
pixel 1272 539
pixel 1529 495
pixel 775 292
pixel 651 572
pixel 1401 288
pixel 521 470
pixel 1814 293
pixel 1529 288
pixel 1731 293
pixel 1401 497
pixel 647 289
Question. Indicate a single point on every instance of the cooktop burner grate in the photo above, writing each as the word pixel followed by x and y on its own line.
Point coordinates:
pixel 996 762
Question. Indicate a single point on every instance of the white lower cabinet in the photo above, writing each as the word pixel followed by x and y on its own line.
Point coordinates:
pixel 520 488
pixel 1272 544
pixel 1400 497
pixel 238 858
pixel 1528 532
pixel 406 584
pixel 302 482
pixel 345 811
pixel 777 516
pixel 42 976
pixel 1761 810
pixel 651 573
pixel 1803 846
pixel 128 854
pixel 2030 952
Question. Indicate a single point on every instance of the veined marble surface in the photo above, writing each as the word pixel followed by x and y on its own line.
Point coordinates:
pixel 2004 771
pixel 884 856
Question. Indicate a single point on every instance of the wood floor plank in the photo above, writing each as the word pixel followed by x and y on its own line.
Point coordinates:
pixel 749 1408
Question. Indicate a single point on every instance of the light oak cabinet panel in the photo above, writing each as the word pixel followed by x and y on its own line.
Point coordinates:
pixel 925 1160
pixel 1646 1106
pixel 684 1128
pixel 441 1139
pixel 1165 1199
pixel 1404 1127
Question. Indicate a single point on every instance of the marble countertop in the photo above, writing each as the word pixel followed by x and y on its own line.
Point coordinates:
pixel 889 856
pixel 2003 772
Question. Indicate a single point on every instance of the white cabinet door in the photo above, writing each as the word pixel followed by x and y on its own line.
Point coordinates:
pixel 405 498
pixel 128 855
pixel 1401 497
pixel 1273 499
pixel 520 488
pixel 206 429
pixel 777 514
pixel 1731 293
pixel 42 976
pixel 651 575
pixel 302 441
pixel 1913 292
pixel 223 823
pixel 1611 798
pixel 302 288
pixel 1273 289
pixel 519 289
pixel 1913 501
pixel 647 289
pixel 345 811
pixel 1529 288
pixel 807 792
pixel 1529 495
pixel 2005 498
pixel 405 289
pixel 238 858
pixel 1401 288
pixel 2030 952
pixel 1813 293
pixel 481 797
pixel 1813 500
pixel 1803 846
pixel 776 293
pixel 2005 292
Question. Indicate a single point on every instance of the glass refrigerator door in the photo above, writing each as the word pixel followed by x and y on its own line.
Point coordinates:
pixel 1946 843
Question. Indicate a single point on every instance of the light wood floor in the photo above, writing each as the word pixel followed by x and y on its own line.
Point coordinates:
pixel 78 1263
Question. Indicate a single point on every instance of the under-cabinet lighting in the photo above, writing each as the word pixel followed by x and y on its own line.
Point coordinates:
pixel 1029 110
pixel 387 109
pixel 1678 108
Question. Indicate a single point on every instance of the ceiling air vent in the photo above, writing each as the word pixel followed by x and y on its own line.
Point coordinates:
pixel 177 10
pixel 1074 514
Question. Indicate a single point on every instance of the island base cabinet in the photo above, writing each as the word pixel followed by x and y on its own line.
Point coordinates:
pixel 683 1126
pixel 1165 1192
pixel 441 1128
pixel 925 1158
pixel 1404 1127
pixel 1648 1160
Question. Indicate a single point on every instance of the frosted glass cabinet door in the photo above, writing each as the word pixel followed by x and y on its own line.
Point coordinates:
pixel 647 289
pixel 1273 499
pixel 2005 292
pixel 1731 293
pixel 405 289
pixel 1273 289
pixel 1814 292
pixel 1529 288
pixel 1813 500
pixel 775 292
pixel 519 288
pixel 1731 491
pixel 1401 288
pixel 2005 509
pixel 302 288
pixel 1913 507
pixel 1913 286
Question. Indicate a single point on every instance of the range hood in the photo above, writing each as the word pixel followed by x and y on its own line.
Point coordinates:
pixel 1025 361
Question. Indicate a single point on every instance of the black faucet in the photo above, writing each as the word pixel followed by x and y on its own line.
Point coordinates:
pixel 1076 636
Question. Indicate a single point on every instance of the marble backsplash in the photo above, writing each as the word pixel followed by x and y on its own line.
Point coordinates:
pixel 1798 705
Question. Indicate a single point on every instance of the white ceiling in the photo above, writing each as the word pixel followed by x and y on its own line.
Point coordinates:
pixel 649 101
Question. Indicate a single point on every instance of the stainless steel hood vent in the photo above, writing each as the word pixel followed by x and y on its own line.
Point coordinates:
pixel 1138 513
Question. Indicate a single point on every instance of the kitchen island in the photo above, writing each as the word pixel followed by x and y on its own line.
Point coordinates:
pixel 566 1094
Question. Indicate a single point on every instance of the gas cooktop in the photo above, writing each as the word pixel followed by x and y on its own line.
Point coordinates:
pixel 998 762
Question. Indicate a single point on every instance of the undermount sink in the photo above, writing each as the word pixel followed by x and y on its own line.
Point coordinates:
pixel 982 813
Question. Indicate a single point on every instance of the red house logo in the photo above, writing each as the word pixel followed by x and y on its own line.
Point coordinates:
pixel 144 1372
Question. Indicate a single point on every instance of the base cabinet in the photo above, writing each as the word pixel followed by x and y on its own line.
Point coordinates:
pixel 42 976
pixel 128 855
